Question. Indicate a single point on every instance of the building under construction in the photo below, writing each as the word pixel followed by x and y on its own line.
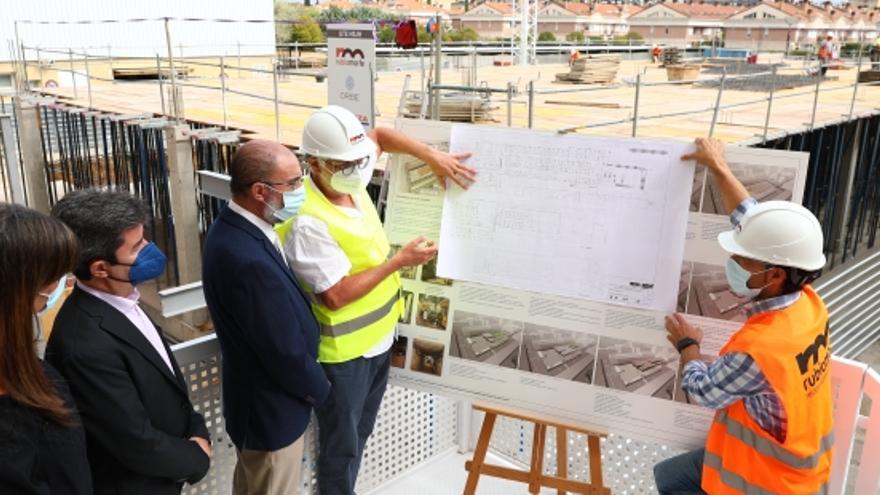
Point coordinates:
pixel 157 103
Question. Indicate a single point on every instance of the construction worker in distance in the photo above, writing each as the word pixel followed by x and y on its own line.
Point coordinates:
pixel 825 54
pixel 875 54
pixel 770 385
pixel 656 52
pixel 574 56
pixel 337 248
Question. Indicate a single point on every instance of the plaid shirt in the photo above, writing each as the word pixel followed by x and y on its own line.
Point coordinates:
pixel 735 375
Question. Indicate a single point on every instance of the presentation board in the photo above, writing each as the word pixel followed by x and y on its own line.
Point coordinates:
pixel 603 364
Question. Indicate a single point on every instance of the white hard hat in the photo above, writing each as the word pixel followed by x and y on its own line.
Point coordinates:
pixel 335 133
pixel 779 233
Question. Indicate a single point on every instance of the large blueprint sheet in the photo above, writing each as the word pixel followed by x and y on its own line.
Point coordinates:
pixel 604 366
pixel 577 216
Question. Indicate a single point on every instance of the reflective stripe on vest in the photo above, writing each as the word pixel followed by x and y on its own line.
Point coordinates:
pixel 737 482
pixel 770 449
pixel 362 321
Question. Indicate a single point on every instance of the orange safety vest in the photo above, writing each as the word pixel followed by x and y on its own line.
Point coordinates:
pixel 791 347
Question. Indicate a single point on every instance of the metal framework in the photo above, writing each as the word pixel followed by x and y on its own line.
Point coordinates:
pixel 526 11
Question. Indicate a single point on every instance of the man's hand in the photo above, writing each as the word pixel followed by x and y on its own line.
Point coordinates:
pixel 449 166
pixel 710 152
pixel 418 252
pixel 204 444
pixel 678 328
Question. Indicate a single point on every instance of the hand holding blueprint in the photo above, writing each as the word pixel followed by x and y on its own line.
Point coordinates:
pixel 579 216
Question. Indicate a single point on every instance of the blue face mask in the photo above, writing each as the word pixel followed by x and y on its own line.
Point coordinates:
pixel 53 297
pixel 293 200
pixel 738 278
pixel 149 264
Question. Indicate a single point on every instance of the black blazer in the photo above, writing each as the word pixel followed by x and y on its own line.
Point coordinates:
pixel 39 456
pixel 137 414
pixel 268 336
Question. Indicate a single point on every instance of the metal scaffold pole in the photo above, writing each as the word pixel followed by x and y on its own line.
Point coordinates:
pixel 769 107
pixel 852 103
pixel 223 90
pixel 88 77
pixel 275 92
pixel 717 102
pixel 72 73
pixel 524 32
pixel 172 74
pixel 636 104
pixel 438 66
pixel 161 86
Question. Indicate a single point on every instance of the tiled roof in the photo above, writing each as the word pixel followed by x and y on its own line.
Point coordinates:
pixel 704 10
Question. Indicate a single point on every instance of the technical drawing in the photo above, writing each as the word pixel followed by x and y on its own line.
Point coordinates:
pixel 575 216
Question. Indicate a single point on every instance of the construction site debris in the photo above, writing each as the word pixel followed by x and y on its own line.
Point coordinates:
pixel 599 69
pixel 455 107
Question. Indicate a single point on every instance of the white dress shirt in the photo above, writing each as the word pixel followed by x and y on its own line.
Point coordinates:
pixel 264 226
pixel 318 260
pixel 129 307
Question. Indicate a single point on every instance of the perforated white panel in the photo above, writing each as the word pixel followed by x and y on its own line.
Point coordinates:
pixel 200 364
pixel 411 428
pixel 627 464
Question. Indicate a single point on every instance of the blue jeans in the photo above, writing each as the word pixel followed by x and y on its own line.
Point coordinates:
pixel 680 475
pixel 346 419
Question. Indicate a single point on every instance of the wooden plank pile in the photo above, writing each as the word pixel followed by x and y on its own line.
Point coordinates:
pixel 456 107
pixel 598 69
pixel 142 73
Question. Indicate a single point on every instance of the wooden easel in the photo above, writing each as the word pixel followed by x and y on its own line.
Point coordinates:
pixel 535 476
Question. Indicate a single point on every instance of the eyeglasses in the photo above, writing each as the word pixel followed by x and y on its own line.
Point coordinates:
pixel 346 167
pixel 291 184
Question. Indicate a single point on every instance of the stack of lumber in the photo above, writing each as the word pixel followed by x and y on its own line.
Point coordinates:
pixel 597 69
pixel 141 73
pixel 458 107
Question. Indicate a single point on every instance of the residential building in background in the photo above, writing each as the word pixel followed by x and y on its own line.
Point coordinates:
pixel 681 23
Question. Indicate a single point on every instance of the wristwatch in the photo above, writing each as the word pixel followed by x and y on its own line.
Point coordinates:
pixel 684 343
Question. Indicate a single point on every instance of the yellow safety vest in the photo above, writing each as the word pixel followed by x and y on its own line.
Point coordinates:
pixel 349 332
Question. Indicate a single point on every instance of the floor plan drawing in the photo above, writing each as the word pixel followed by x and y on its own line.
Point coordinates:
pixel 578 216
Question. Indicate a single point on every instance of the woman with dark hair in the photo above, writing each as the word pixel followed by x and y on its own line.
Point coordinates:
pixel 42 444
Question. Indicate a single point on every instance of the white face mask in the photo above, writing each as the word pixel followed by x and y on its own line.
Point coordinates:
pixel 356 180
pixel 738 279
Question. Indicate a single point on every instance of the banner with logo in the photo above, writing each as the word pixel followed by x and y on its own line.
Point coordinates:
pixel 351 60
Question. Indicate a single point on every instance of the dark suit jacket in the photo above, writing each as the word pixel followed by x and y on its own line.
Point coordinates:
pixel 137 414
pixel 268 336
